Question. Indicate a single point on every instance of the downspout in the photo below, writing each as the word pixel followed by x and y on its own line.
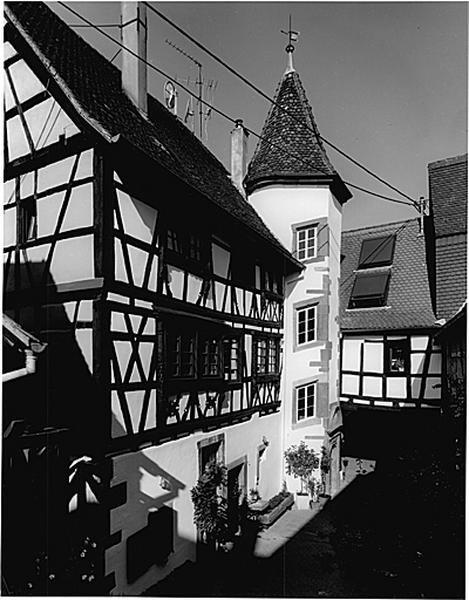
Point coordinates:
pixel 28 369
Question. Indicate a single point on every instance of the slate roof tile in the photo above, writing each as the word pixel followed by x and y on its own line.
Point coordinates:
pixel 290 144
pixel 448 195
pixel 95 86
pixel 408 302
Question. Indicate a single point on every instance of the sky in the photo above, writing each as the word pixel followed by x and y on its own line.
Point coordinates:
pixel 387 81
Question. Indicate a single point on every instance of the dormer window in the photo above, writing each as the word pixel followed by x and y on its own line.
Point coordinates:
pixel 377 252
pixel 370 290
pixel 306 242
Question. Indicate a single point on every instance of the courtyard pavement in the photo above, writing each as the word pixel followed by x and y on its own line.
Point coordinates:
pixel 394 533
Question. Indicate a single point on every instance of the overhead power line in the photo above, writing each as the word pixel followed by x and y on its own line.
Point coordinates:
pixel 223 114
pixel 269 99
pixel 375 250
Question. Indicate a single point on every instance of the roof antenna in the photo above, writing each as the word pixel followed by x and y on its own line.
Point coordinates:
pixel 199 82
pixel 292 37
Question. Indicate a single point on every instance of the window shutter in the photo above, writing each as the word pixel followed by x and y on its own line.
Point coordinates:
pixel 323 239
pixel 322 314
pixel 322 391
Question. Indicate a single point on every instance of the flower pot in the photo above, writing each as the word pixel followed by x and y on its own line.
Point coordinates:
pixel 302 501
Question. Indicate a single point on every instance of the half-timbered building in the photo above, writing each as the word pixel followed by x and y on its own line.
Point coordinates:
pixel 390 362
pixel 157 288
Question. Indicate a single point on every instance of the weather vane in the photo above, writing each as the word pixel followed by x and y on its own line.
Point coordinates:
pixel 292 36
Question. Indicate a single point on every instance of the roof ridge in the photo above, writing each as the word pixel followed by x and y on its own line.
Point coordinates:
pixel 382 225
pixel 446 162
pixel 95 94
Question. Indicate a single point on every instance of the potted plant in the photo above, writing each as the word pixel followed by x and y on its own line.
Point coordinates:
pixel 301 462
pixel 313 488
pixel 325 467
pixel 210 505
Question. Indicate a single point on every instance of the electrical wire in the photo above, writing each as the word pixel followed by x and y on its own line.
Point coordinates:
pixel 223 114
pixel 375 250
pixel 269 99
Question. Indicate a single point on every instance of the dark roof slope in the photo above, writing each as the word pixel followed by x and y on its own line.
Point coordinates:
pixel 93 86
pixel 290 145
pixel 448 207
pixel 408 302
pixel 448 195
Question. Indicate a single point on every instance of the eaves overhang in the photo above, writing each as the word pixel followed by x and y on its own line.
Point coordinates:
pixel 337 186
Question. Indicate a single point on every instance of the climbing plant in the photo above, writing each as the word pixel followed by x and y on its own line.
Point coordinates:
pixel 210 505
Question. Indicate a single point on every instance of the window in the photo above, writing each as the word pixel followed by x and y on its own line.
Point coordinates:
pixel 210 357
pixel 231 359
pixel 28 221
pixel 194 250
pixel 377 252
pixel 182 355
pixel 186 244
pixel 273 356
pixel 174 241
pixel 369 290
pixel 306 242
pixel 396 356
pixel 306 324
pixel 261 357
pixel 267 353
pixel 305 401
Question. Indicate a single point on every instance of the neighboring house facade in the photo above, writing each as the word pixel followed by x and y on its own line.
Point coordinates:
pixel 447 233
pixel 298 193
pixel 163 320
pixel 390 363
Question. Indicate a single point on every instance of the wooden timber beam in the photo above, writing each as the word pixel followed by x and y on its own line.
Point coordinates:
pixel 42 157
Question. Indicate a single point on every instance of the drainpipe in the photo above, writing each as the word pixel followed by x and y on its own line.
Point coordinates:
pixel 28 369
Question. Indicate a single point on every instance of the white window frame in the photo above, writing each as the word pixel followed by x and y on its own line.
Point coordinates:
pixel 306 246
pixel 306 310
pixel 305 388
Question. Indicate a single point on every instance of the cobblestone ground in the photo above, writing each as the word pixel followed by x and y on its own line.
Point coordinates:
pixel 395 533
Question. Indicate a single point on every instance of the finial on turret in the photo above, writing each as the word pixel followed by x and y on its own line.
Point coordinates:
pixel 292 37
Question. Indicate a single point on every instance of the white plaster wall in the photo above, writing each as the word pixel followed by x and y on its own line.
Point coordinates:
pixel 139 221
pixel 177 462
pixel 395 386
pixel 282 207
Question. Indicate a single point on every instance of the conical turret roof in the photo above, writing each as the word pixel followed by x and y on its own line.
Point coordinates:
pixel 290 148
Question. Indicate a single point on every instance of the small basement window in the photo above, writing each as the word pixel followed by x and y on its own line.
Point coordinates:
pixel 396 356
pixel 377 252
pixel 369 290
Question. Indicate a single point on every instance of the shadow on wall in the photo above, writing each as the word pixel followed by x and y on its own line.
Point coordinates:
pixel 143 520
pixel 62 393
pixel 382 536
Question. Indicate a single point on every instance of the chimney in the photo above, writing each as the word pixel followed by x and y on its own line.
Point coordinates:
pixel 239 151
pixel 134 37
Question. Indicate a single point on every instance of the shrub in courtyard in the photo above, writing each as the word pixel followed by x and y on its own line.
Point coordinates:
pixel 301 462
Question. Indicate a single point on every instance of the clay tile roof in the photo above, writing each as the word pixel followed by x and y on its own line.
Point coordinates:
pixel 93 86
pixel 290 144
pixel 408 302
